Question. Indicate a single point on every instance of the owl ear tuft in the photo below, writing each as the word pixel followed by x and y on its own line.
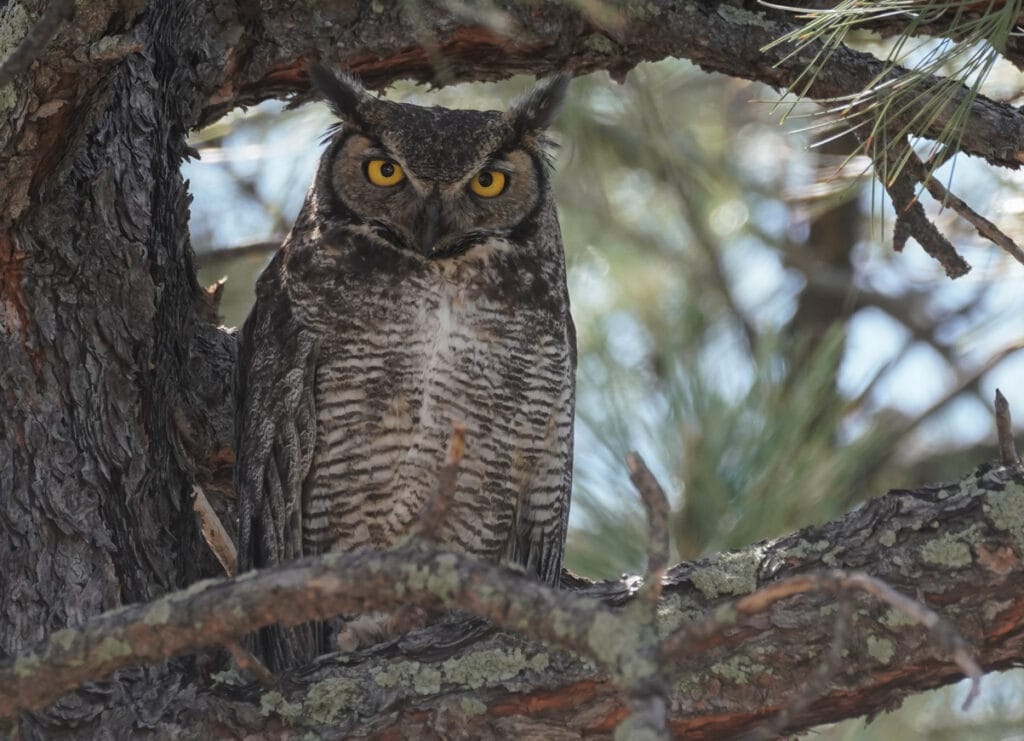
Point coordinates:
pixel 343 93
pixel 535 110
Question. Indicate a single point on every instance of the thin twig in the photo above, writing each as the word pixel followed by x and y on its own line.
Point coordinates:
pixel 1004 431
pixel 942 632
pixel 648 697
pixel 657 507
pixel 689 637
pixel 42 31
pixel 817 684
pixel 436 511
pixel 247 662
pixel 983 226
pixel 214 533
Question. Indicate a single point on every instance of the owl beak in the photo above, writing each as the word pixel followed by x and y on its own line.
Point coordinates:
pixel 429 224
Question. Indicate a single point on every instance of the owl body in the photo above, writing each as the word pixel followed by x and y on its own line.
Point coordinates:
pixel 387 316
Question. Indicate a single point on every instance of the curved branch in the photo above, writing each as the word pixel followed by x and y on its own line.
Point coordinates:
pixel 957 547
pixel 273 41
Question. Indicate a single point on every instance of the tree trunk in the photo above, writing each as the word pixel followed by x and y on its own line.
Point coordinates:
pixel 115 393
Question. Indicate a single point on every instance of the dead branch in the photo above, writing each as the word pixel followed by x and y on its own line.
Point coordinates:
pixel 657 508
pixel 538 39
pixel 436 511
pixel 1004 431
pixel 921 173
pixel 249 663
pixel 648 699
pixel 911 220
pixel 766 618
pixel 214 533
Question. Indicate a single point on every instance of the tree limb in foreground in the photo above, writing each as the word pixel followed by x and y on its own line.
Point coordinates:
pixel 748 638
pixel 275 40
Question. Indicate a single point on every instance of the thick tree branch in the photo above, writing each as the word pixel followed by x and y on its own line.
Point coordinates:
pixel 957 548
pixel 262 53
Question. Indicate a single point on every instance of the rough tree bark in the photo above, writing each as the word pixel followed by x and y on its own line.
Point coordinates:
pixel 114 390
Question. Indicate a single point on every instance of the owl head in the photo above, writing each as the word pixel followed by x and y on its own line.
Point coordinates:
pixel 434 181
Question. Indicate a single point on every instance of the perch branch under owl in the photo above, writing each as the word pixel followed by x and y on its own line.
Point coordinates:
pixel 217 612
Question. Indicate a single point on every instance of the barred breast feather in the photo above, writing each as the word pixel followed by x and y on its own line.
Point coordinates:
pixel 398 362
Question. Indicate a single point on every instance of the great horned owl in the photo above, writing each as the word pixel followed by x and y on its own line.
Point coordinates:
pixel 423 282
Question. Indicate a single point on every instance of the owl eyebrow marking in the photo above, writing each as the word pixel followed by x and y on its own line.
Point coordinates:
pixel 376 151
pixel 499 164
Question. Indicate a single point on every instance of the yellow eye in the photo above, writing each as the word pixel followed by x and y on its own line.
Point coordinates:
pixel 384 173
pixel 488 183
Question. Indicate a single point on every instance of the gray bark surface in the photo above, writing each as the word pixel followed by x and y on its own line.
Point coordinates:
pixel 115 391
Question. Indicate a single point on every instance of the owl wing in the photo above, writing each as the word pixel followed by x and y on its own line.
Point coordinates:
pixel 275 438
pixel 542 516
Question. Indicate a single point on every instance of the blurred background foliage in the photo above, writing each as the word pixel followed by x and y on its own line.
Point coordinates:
pixel 742 320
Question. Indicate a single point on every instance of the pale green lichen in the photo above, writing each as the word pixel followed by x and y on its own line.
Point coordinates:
pixel 606 638
pixel 8 98
pixel 831 558
pixel 16 24
pixel 274 702
pixel 948 550
pixel 894 619
pixel 1005 509
pixel 599 43
pixel 804 548
pixel 561 623
pixel 329 700
pixel 111 648
pixel 64 639
pixel 737 669
pixel 395 674
pixel 25 665
pixel 645 10
pixel 627 731
pixel 539 662
pixel 158 613
pixel 482 668
pixel 326 703
pixel 675 611
pixel 443 581
pixel 730 573
pixel 739 16
pixel 887 538
pixel 229 677
pixel 619 648
pixel 688 687
pixel 725 614
pixel 881 649
pixel 427 681
pixel 424 680
pixel 472 706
